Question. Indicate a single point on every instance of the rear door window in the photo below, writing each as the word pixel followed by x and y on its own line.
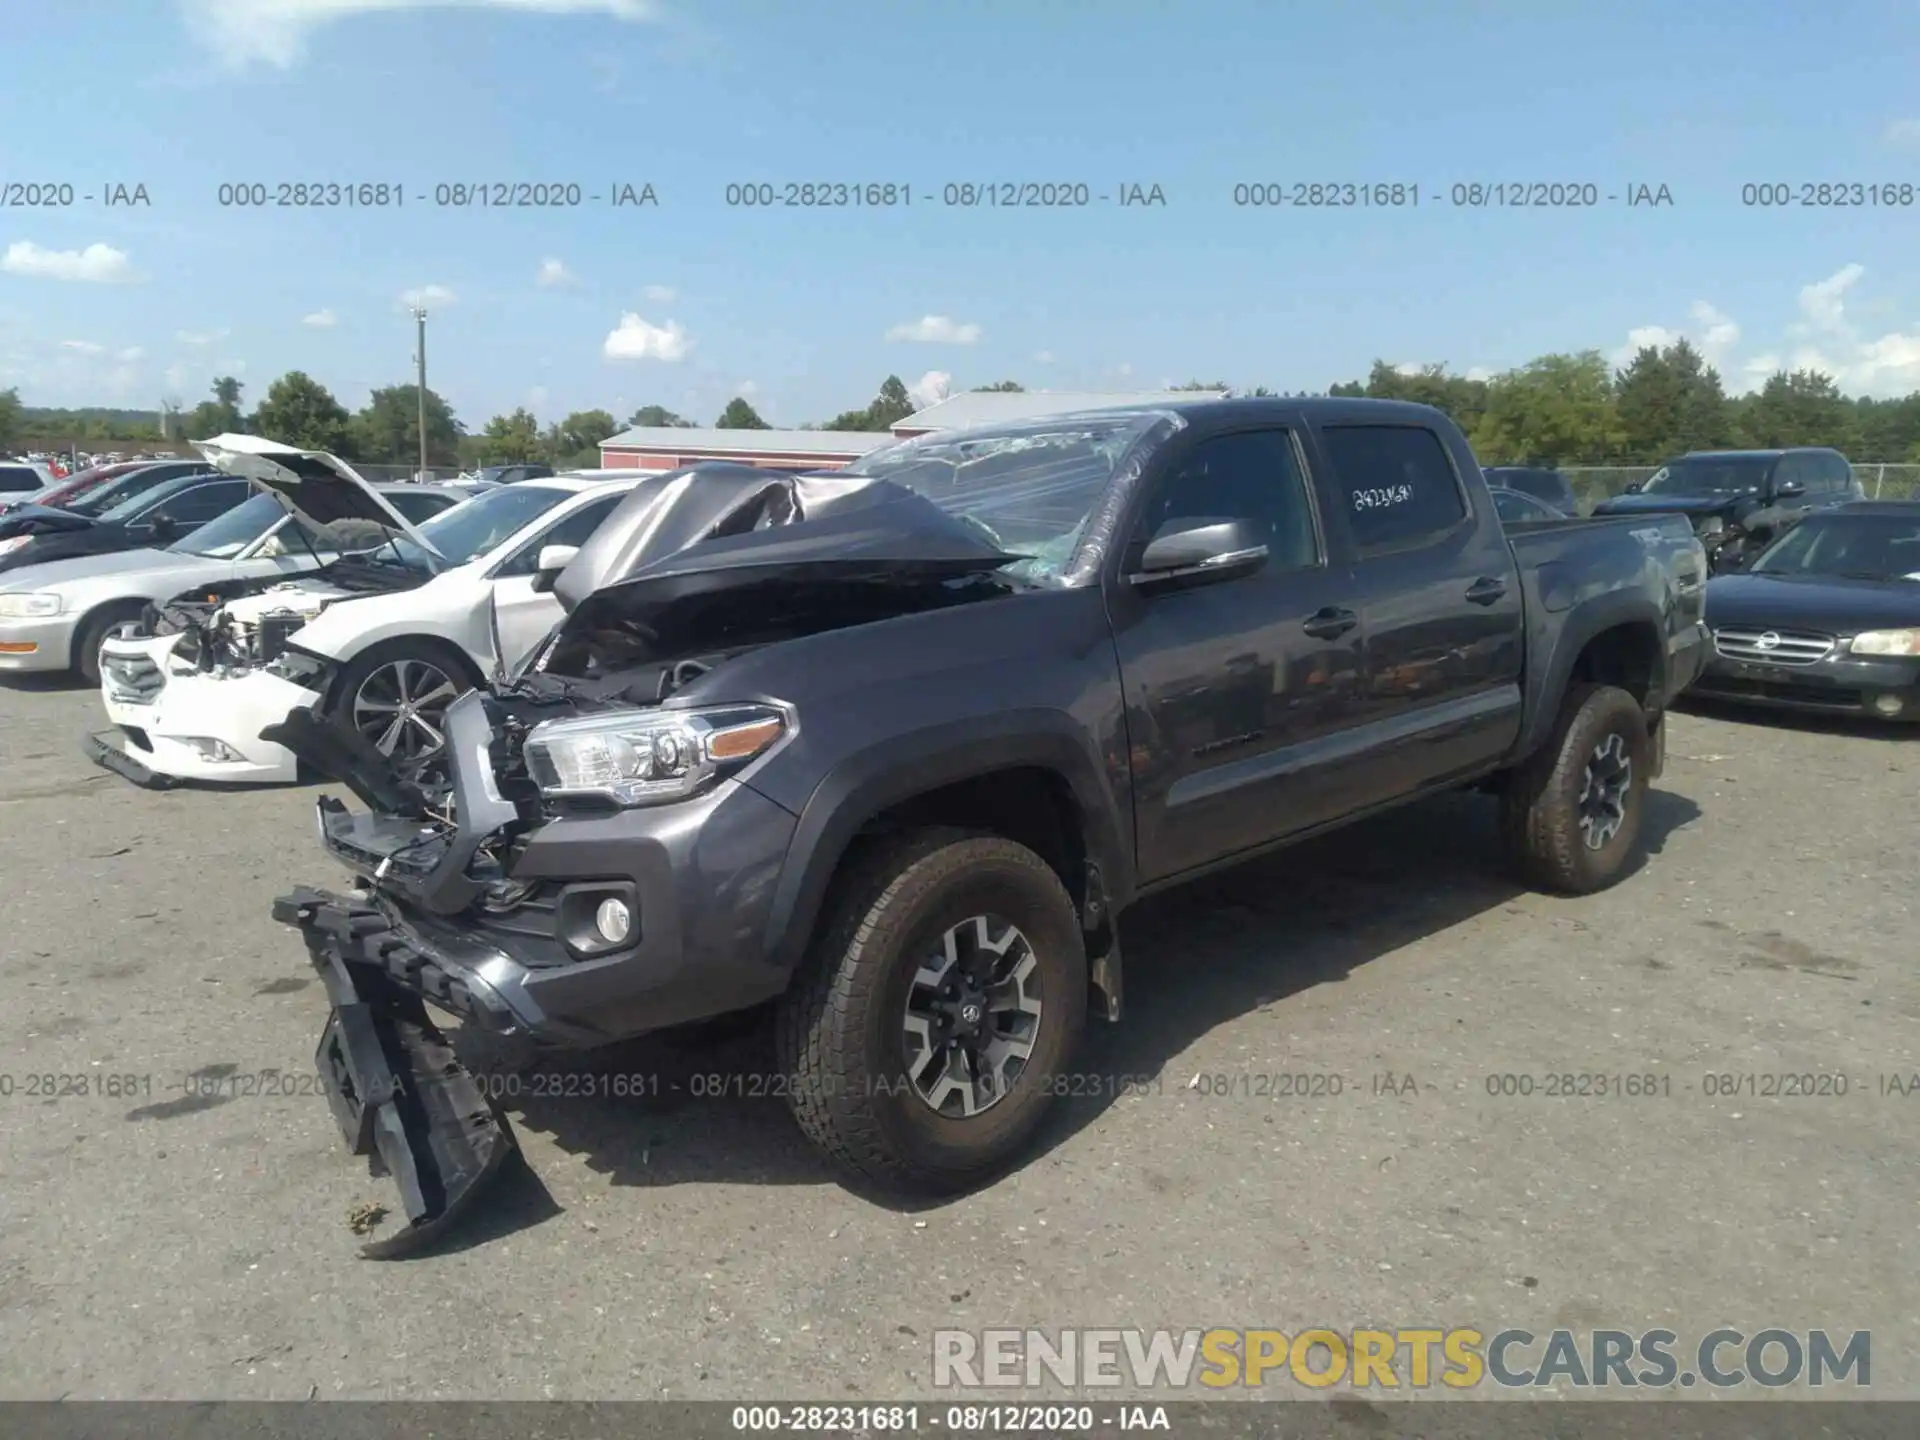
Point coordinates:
pixel 19 479
pixel 1396 483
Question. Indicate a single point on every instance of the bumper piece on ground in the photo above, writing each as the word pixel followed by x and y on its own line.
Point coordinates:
pixel 100 749
pixel 400 1095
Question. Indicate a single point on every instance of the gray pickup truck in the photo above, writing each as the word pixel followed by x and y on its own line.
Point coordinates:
pixel 892 748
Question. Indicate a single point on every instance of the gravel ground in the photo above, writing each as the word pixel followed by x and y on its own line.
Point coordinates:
pixel 182 1245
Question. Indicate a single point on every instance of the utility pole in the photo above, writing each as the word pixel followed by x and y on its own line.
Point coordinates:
pixel 420 357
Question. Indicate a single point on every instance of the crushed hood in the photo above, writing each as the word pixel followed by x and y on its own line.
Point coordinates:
pixel 691 539
pixel 319 488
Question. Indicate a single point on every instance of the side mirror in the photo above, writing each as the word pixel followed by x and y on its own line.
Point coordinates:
pixel 1788 490
pixel 1634 488
pixel 1187 552
pixel 164 526
pixel 553 559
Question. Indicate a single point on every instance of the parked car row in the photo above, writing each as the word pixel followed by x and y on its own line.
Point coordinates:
pixel 888 749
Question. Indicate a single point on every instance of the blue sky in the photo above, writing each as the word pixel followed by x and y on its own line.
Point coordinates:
pixel 806 310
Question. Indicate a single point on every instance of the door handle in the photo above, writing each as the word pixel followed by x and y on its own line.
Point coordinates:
pixel 1330 623
pixel 1486 590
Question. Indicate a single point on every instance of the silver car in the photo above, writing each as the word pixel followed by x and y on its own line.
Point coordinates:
pixel 55 616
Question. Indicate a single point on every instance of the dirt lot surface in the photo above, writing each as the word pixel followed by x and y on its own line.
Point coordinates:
pixel 190 1239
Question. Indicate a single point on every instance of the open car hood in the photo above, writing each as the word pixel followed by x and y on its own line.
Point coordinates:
pixel 321 489
pixel 696 552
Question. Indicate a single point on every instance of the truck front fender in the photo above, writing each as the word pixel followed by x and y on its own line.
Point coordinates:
pixel 865 785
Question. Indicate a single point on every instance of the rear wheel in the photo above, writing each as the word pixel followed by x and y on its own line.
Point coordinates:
pixel 1570 816
pixel 946 991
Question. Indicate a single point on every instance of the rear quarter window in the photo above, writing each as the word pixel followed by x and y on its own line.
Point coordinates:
pixel 18 478
pixel 1395 483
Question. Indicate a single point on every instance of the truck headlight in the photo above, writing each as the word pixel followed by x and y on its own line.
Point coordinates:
pixel 1886 642
pixel 29 607
pixel 1713 525
pixel 644 757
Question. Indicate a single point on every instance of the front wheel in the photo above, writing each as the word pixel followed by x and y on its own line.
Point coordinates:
pixel 396 695
pixel 1570 816
pixel 944 996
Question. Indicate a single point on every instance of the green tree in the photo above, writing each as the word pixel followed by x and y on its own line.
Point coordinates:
pixel 584 430
pixel 890 406
pixel 1462 400
pixel 387 428
pixel 299 410
pixel 1001 387
pixel 220 415
pixel 11 420
pixel 1803 407
pixel 739 415
pixel 1887 430
pixel 1204 385
pixel 1557 410
pixel 657 417
pixel 511 438
pixel 1670 401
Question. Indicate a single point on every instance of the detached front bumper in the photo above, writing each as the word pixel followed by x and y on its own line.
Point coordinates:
pixel 191 726
pixel 698 879
pixel 400 1096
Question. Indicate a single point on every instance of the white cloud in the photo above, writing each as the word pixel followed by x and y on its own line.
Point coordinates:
pixel 320 320
pixel 552 273
pixel 427 297
pixel 1904 134
pixel 537 398
pixel 661 294
pixel 83 347
pixel 1823 336
pixel 634 339
pixel 1824 302
pixel 175 376
pixel 936 330
pixel 199 337
pixel 1124 370
pixel 1479 372
pixel 931 388
pixel 131 354
pixel 1043 357
pixel 99 264
pixel 746 389
pixel 275 32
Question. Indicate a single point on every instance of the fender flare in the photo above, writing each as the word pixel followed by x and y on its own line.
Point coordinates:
pixel 1584 622
pixel 879 777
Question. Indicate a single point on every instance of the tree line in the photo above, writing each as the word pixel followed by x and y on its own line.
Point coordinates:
pixel 1563 409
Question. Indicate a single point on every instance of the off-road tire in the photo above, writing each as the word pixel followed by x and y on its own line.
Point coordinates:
pixel 1540 805
pixel 838 1029
pixel 93 634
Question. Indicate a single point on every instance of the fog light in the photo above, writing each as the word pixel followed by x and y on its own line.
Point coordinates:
pixel 1889 704
pixel 614 921
pixel 215 752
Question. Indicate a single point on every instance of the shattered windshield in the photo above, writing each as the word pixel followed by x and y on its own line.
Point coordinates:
pixel 1031 488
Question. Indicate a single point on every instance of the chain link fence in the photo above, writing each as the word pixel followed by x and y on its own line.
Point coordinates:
pixel 1594 483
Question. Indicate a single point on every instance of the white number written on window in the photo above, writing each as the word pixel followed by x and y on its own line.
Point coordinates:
pixel 1382 498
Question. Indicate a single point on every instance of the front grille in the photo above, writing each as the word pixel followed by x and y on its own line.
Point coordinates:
pixel 1773 647
pixel 132 679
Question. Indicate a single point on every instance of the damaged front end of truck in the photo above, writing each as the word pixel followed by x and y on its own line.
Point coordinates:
pixel 622 705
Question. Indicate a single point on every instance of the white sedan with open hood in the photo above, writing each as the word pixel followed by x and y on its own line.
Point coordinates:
pixel 382 639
